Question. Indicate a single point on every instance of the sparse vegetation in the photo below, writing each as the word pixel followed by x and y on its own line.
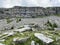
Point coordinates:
pixel 18 19
pixel 48 33
pixel 51 26
pixel 9 40
pixel 9 20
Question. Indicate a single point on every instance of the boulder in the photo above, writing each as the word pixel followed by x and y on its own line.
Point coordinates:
pixel 43 38
pixel 56 28
pixel 32 42
pixel 20 40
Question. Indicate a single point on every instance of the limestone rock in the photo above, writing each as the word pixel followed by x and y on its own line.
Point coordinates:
pixel 32 42
pixel 43 38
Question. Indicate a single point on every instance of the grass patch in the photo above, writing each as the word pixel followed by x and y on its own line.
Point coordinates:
pixel 30 34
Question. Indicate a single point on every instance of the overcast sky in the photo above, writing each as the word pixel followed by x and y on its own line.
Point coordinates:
pixel 41 3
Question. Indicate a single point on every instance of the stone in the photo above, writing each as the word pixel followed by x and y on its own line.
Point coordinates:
pixel 20 39
pixel 2 40
pixel 37 44
pixel 7 34
pixel 43 38
pixel 23 29
pixel 15 39
pixel 56 28
pixel 32 42
pixel 2 44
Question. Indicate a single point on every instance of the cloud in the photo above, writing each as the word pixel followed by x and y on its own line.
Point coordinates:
pixel 55 2
pixel 5 3
pixel 9 3
pixel 42 3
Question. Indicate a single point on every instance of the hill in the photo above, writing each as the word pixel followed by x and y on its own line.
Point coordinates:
pixel 19 11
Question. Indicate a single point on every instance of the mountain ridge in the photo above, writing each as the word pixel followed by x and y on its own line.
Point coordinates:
pixel 19 11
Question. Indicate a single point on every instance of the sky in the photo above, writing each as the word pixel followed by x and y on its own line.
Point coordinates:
pixel 41 3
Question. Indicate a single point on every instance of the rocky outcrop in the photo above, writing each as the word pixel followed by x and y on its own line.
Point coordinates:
pixel 19 11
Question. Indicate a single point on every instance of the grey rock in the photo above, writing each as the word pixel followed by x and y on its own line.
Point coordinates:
pixel 32 42
pixel 20 40
pixel 43 38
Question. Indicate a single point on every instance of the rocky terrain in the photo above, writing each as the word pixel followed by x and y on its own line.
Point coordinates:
pixel 19 11
pixel 30 31
pixel 30 37
pixel 43 23
pixel 20 26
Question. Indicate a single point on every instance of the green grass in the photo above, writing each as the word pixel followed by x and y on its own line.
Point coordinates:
pixel 54 35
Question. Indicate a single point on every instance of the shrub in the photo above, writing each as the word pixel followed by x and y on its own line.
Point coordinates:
pixel 55 25
pixel 9 20
pixel 51 25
